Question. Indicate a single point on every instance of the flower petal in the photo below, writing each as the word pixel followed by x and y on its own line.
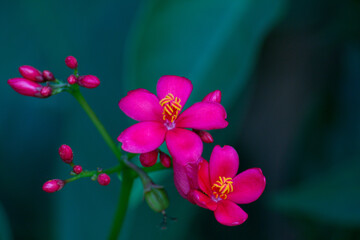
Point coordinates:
pixel 185 179
pixel 141 105
pixel 142 137
pixel 224 162
pixel 214 96
pixel 184 146
pixel 203 115
pixel 178 86
pixel 203 201
pixel 229 214
pixel 204 177
pixel 248 186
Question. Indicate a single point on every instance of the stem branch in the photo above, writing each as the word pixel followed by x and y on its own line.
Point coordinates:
pixel 84 174
pixel 100 127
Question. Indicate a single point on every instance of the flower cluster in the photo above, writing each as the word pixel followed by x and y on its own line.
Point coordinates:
pixel 162 118
pixel 213 185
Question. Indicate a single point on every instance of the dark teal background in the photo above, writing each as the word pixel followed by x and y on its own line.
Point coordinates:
pixel 289 73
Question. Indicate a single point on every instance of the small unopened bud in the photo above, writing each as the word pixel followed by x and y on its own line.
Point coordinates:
pixel 149 159
pixel 31 73
pixel 66 153
pixel 53 185
pixel 71 62
pixel 88 81
pixel 165 160
pixel 77 169
pixel 103 179
pixel 204 136
pixel 157 198
pixel 214 96
pixel 71 79
pixel 46 91
pixel 48 76
pixel 26 87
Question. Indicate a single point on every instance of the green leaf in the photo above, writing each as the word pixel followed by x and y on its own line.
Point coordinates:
pixel 213 43
pixel 331 197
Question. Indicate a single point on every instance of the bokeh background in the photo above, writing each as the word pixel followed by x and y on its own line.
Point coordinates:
pixel 290 76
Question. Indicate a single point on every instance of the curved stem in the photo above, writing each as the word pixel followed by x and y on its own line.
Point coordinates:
pixel 122 204
pixel 100 127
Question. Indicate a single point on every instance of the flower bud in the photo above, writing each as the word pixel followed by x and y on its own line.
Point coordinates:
pixel 214 96
pixel 53 185
pixel 103 179
pixel 31 73
pixel 26 87
pixel 204 136
pixel 71 79
pixel 165 160
pixel 149 159
pixel 88 81
pixel 77 169
pixel 46 91
pixel 157 198
pixel 48 76
pixel 66 153
pixel 71 62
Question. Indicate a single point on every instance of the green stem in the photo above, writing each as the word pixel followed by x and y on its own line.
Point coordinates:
pixel 122 204
pixel 84 174
pixel 100 127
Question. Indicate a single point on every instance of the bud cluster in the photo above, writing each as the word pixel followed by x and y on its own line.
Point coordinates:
pixel 35 83
pixel 30 85
pixel 67 156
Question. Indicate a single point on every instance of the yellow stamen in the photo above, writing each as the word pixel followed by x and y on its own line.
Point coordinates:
pixel 171 107
pixel 222 187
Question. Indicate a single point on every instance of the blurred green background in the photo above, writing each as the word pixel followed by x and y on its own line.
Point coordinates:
pixel 290 76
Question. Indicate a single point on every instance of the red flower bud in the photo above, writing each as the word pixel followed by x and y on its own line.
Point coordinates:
pixel 71 79
pixel 204 136
pixel 31 73
pixel 53 185
pixel 48 76
pixel 77 169
pixel 46 91
pixel 149 159
pixel 66 153
pixel 88 81
pixel 26 87
pixel 103 179
pixel 165 160
pixel 214 96
pixel 71 62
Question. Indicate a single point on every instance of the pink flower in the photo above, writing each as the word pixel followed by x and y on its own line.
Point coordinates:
pixel 221 191
pixel 160 119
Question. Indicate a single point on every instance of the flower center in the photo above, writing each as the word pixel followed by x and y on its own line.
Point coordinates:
pixel 222 187
pixel 171 107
